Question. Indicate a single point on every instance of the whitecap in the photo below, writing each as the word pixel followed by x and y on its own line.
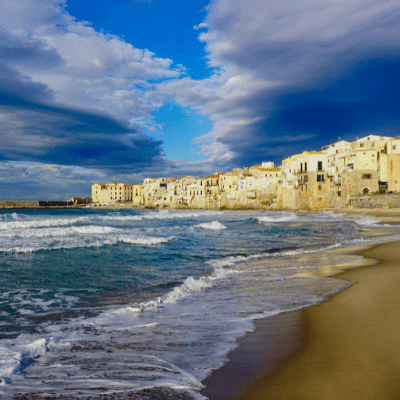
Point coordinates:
pixel 214 225
pixel 278 218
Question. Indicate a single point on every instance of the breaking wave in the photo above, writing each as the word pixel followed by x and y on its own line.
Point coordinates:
pixel 214 225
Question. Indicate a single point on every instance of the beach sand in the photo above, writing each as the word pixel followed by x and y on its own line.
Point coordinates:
pixel 345 348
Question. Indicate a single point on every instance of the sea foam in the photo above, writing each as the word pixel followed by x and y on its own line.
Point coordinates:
pixel 214 225
pixel 287 217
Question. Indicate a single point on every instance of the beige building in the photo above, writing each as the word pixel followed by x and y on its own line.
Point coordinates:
pixel 305 183
pixel 180 191
pixel 310 180
pixel 138 198
pixel 393 164
pixel 111 192
pixel 207 192
pixel 156 192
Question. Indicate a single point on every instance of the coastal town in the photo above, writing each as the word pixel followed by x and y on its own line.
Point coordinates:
pixel 332 177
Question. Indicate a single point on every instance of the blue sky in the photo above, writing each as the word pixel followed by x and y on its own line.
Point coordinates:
pixel 93 91
pixel 164 27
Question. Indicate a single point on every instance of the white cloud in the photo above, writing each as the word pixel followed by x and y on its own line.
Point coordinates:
pixel 278 48
pixel 99 72
pixel 263 50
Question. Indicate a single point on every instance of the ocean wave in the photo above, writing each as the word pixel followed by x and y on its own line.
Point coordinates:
pixel 41 223
pixel 120 218
pixel 59 232
pixel 163 214
pixel 141 240
pixel 366 221
pixel 278 218
pixel 232 260
pixel 214 225
pixel 12 217
pixel 190 286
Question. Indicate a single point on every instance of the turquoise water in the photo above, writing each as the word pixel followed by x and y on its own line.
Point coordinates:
pixel 144 302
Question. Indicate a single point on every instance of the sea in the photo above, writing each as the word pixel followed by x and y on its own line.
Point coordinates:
pixel 145 304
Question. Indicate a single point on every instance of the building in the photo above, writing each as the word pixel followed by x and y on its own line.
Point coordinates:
pixel 310 180
pixel 393 164
pixel 111 192
pixel 138 198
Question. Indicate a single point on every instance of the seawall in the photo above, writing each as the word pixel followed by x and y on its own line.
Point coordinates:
pixel 18 204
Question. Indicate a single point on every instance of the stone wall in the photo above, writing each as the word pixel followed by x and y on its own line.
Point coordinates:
pixel 19 204
pixel 376 201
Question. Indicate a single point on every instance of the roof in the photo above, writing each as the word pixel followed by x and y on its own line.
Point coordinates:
pixel 101 184
pixel 339 141
pixel 270 169
pixel 307 153
pixel 212 176
pixel 231 173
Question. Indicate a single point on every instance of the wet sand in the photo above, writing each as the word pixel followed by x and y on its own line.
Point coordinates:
pixel 345 348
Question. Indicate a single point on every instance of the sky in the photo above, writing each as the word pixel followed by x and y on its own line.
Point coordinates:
pixel 120 90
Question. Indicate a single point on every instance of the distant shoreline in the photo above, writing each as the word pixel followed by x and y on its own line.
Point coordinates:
pixel 385 215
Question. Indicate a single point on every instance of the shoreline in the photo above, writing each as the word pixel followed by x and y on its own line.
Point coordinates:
pixel 391 215
pixel 328 350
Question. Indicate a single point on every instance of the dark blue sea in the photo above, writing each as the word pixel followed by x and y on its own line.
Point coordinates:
pixel 145 304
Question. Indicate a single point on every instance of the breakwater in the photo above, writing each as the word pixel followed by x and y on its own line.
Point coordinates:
pixel 18 204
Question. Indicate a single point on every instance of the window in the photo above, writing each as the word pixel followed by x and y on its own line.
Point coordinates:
pixel 320 178
pixel 319 165
pixel 305 167
pixel 319 187
pixel 366 176
pixel 394 147
pixel 301 167
pixel 305 178
pixel 361 144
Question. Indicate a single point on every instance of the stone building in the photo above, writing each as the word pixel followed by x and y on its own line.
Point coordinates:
pixel 393 165
pixel 305 184
pixel 138 198
pixel 111 192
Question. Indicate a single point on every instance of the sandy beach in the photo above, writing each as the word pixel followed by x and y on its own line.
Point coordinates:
pixel 345 348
